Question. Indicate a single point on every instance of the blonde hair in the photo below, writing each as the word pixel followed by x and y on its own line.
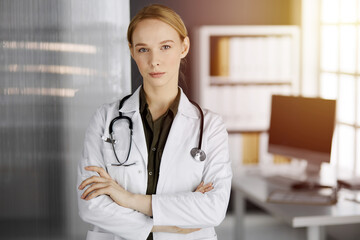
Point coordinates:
pixel 159 12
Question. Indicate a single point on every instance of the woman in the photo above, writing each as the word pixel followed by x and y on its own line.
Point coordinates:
pixel 149 193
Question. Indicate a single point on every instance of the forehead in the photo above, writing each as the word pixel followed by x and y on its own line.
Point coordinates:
pixel 152 31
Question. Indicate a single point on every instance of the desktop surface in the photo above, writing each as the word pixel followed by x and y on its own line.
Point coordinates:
pixel 255 188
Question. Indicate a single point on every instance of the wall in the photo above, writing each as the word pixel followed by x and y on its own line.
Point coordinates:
pixel 225 12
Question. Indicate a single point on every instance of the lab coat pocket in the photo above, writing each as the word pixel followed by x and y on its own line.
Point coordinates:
pixel 116 172
pixel 131 178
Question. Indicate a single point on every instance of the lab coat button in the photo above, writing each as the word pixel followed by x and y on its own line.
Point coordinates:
pixel 150 173
pixel 153 149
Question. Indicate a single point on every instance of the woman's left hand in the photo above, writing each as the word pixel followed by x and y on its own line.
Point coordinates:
pixel 104 185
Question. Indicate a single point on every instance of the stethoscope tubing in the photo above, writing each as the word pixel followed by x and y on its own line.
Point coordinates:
pixel 196 153
pixel 201 123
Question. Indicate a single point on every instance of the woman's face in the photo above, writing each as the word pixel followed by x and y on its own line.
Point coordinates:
pixel 157 50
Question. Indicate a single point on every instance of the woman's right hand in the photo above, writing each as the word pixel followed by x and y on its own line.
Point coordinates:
pixel 204 188
pixel 173 229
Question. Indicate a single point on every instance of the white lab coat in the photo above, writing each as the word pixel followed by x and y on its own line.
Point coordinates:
pixel 175 202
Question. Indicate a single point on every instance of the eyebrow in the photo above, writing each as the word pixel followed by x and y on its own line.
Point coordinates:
pixel 162 42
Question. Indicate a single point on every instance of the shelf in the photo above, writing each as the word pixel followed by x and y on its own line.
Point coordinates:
pixel 242 131
pixel 228 81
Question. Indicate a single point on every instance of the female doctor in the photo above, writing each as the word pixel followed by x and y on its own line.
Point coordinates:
pixel 151 185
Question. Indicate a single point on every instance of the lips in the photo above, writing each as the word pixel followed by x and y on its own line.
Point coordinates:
pixel 156 74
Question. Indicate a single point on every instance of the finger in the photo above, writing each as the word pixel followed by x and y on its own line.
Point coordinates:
pixel 209 185
pixel 198 189
pixel 99 170
pixel 91 180
pixel 208 189
pixel 204 188
pixel 96 193
pixel 92 188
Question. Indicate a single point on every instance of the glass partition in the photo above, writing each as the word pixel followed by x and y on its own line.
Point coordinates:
pixel 59 61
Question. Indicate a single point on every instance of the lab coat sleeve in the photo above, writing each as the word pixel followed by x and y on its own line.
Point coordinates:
pixel 194 209
pixel 102 211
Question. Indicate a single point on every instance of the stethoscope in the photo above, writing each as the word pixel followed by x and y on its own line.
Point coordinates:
pixel 196 152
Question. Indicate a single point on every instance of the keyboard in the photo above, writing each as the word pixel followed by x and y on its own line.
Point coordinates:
pixel 288 182
pixel 313 197
pixel 282 181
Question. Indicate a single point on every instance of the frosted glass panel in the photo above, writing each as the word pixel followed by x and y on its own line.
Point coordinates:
pixel 329 48
pixel 358 102
pixel 347 11
pixel 358 49
pixel 59 60
pixel 347 47
pixel 346 101
pixel 330 11
pixel 358 152
pixel 328 85
pixel 346 147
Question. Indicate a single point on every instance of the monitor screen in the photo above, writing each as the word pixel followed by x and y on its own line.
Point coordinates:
pixel 302 128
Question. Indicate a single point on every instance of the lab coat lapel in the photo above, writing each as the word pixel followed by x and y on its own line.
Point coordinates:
pixel 173 142
pixel 131 106
pixel 139 136
pixel 186 115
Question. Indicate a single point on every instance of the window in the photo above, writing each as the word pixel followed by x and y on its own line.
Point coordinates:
pixel 339 76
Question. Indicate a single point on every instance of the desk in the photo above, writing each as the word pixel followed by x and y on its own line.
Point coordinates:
pixel 314 218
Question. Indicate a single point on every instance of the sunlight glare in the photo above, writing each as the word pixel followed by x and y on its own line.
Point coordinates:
pixel 348 11
pixel 346 100
pixel 329 48
pixel 346 147
pixel 328 85
pixel 347 47
pixel 330 11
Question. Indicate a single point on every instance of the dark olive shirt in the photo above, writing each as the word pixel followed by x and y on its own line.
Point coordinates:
pixel 156 133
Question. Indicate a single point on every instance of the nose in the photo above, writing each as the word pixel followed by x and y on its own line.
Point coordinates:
pixel 154 59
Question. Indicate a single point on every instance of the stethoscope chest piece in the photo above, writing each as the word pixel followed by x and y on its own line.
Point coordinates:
pixel 198 154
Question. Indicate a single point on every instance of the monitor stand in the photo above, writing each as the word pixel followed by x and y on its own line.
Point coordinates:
pixel 312 171
pixel 312 181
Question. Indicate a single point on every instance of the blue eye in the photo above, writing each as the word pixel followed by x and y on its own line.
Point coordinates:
pixel 142 50
pixel 165 47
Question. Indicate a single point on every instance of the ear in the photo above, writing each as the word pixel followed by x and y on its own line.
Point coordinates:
pixel 185 47
pixel 131 50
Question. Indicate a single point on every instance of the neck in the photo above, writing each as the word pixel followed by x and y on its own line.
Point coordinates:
pixel 159 99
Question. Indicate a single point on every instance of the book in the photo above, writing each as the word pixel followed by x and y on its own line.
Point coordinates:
pixel 220 58
pixel 250 148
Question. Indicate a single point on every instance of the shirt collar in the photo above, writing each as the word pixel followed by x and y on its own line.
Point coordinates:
pixel 185 107
pixel 173 107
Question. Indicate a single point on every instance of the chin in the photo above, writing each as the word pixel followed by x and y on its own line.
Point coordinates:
pixel 157 82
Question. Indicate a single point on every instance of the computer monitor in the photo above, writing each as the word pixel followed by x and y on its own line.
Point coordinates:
pixel 302 128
